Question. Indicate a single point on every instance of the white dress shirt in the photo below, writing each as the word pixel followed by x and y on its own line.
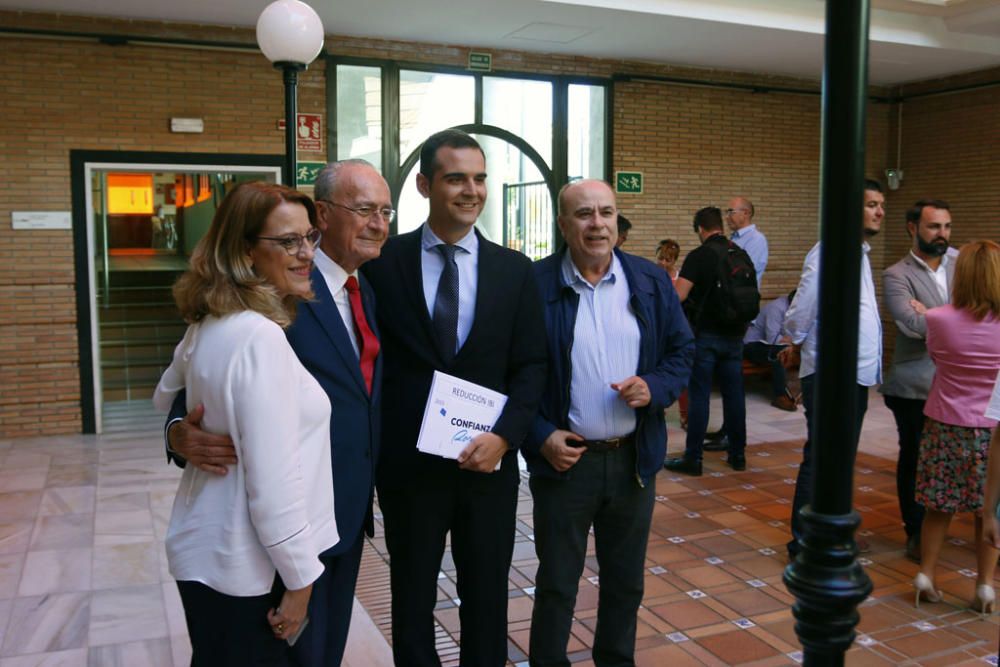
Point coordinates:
pixel 432 265
pixel 755 243
pixel 939 275
pixel 993 408
pixel 801 321
pixel 274 509
pixel 605 350
pixel 335 277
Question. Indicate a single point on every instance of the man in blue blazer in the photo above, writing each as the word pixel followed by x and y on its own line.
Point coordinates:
pixel 449 300
pixel 339 346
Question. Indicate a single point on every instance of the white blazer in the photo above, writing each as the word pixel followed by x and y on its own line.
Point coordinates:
pixel 274 508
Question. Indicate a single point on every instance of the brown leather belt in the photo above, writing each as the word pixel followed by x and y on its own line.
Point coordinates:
pixel 609 444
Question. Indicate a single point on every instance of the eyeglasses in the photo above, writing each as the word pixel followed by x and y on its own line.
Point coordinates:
pixel 292 243
pixel 366 212
pixel 730 211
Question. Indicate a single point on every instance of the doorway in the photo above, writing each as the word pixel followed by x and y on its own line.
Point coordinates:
pixel 136 220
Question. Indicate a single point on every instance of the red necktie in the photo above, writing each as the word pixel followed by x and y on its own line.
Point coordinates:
pixel 366 339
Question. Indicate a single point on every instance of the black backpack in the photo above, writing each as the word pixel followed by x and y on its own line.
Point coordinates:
pixel 734 300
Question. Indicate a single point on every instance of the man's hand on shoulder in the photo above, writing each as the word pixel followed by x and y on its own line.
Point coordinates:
pixel 208 451
pixel 483 453
pixel 558 451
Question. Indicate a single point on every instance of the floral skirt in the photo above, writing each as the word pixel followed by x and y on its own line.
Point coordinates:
pixel 951 470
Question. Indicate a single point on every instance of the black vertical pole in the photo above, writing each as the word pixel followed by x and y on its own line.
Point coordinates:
pixel 290 75
pixel 826 579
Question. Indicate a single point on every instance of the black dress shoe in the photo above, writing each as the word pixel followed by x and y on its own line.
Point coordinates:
pixel 737 463
pixel 716 445
pixel 716 435
pixel 683 465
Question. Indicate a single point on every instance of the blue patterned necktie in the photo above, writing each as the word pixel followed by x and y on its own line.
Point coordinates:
pixel 446 305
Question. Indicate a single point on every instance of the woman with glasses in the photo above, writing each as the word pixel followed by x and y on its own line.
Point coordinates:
pixel 244 547
pixel 963 340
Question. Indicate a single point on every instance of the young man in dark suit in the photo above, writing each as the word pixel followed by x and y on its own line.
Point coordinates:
pixel 450 300
pixel 335 338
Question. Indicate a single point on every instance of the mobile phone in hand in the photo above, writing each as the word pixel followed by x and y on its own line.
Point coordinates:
pixel 298 633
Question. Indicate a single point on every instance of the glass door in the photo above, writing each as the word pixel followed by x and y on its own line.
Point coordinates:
pixel 145 222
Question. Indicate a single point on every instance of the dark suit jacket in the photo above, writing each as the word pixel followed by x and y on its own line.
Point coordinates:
pixel 505 349
pixel 321 343
pixel 320 340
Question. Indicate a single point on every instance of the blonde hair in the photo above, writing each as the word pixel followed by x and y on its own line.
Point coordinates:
pixel 221 279
pixel 977 279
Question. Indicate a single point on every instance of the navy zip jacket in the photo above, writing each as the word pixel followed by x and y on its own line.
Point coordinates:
pixel 666 352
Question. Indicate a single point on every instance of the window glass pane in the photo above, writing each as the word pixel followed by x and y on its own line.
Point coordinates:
pixel 585 132
pixel 525 223
pixel 359 113
pixel 523 107
pixel 429 102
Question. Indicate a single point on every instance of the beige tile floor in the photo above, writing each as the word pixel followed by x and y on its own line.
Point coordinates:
pixel 83 576
pixel 713 591
pixel 83 579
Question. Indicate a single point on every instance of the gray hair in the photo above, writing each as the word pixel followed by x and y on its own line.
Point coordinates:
pixel 326 179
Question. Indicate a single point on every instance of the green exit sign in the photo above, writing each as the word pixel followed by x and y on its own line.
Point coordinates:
pixel 628 182
pixel 306 172
pixel 480 62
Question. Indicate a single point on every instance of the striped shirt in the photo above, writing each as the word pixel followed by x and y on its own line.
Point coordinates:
pixel 605 350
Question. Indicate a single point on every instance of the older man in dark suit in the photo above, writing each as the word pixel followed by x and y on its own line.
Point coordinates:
pixel 335 338
pixel 449 300
pixel 921 280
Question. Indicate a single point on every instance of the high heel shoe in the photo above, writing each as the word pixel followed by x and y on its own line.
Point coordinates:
pixel 925 588
pixel 985 601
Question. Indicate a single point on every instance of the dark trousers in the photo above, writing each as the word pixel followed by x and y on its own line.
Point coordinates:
pixel 804 481
pixel 762 353
pixel 601 491
pixel 721 356
pixel 230 631
pixel 909 415
pixel 330 606
pixel 419 511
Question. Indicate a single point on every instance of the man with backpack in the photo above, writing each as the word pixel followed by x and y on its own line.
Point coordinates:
pixel 718 287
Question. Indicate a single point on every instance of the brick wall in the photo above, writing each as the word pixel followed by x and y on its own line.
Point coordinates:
pixel 702 146
pixel 64 95
pixel 696 146
pixel 949 151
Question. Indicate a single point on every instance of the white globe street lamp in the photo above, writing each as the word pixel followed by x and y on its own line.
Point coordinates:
pixel 290 34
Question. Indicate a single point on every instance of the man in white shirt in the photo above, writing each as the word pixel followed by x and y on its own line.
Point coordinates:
pixel 739 214
pixel 599 437
pixel 920 280
pixel 802 325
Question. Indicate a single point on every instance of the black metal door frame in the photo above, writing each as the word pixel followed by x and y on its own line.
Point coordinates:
pixel 79 160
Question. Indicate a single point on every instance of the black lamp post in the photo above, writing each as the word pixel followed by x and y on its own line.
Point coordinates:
pixel 290 34
pixel 826 579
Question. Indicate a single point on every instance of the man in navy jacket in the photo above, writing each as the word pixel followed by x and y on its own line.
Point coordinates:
pixel 620 352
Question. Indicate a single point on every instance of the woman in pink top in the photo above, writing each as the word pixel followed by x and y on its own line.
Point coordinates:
pixel 963 339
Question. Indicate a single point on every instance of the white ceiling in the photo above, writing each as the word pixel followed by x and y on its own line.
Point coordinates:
pixel 910 39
